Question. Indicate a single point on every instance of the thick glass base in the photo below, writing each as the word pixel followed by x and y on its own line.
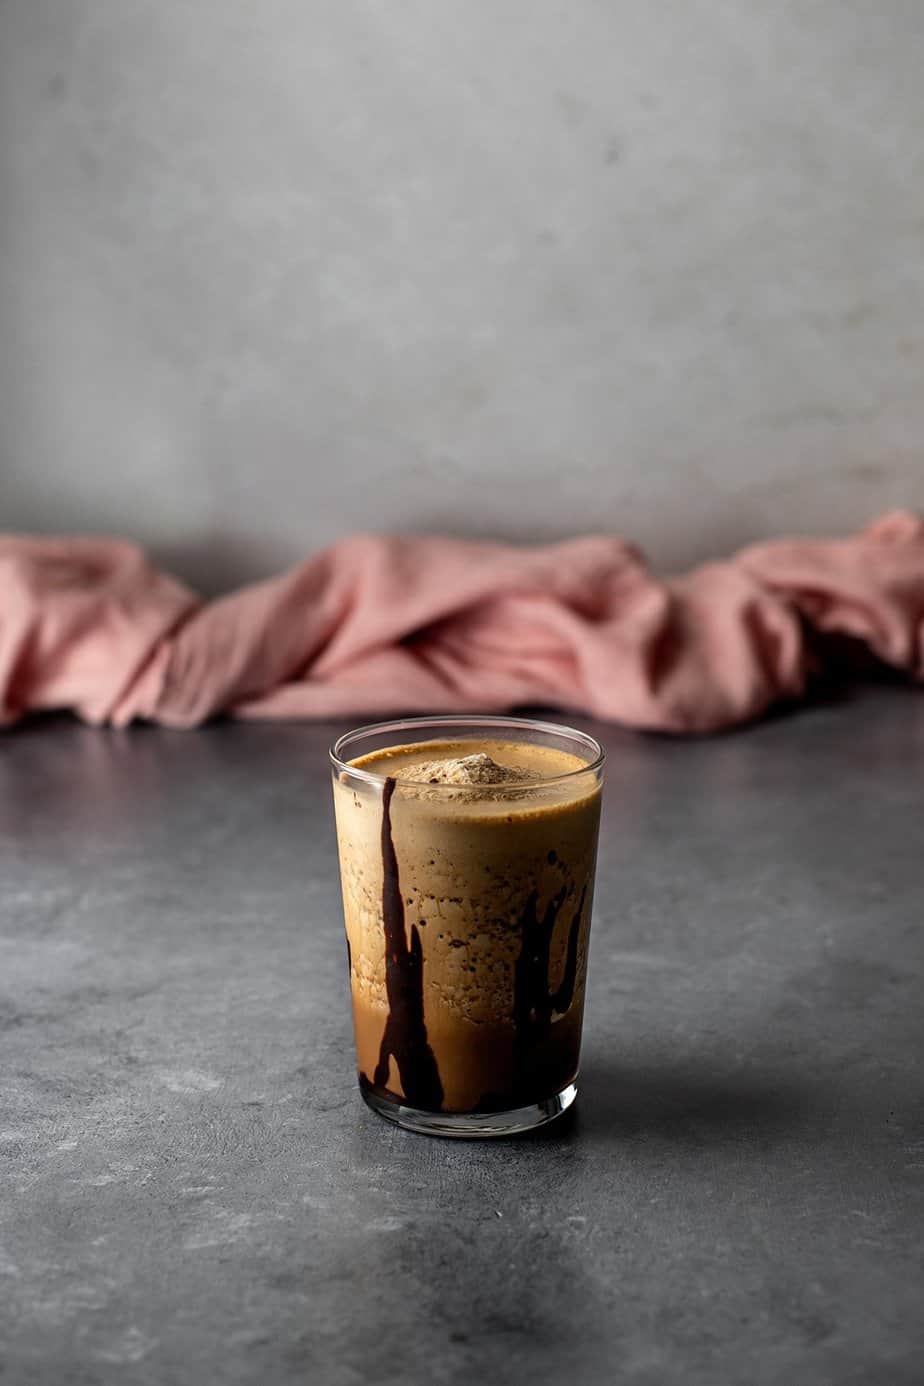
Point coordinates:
pixel 472 1125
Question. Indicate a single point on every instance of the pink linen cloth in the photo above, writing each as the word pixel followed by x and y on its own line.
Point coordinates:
pixel 377 625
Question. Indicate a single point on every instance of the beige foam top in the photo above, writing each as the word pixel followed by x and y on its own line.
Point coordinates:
pixel 487 776
pixel 480 769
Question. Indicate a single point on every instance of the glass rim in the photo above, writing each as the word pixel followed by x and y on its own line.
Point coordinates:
pixel 593 766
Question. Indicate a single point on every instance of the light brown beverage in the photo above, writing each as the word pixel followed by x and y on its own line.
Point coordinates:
pixel 467 869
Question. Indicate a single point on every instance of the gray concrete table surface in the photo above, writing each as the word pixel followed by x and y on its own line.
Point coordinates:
pixel 192 1191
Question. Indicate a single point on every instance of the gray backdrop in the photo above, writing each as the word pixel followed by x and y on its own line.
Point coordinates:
pixel 271 271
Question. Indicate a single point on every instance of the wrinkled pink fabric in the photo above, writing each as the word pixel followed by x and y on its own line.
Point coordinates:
pixel 380 625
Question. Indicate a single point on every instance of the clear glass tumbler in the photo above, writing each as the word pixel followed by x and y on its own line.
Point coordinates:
pixel 467 911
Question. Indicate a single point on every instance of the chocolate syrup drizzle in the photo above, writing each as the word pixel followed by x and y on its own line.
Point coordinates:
pixel 405 1038
pixel 533 1004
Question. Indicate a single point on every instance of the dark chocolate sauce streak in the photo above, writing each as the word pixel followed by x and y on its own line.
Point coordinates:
pixel 563 997
pixel 534 1004
pixel 405 1038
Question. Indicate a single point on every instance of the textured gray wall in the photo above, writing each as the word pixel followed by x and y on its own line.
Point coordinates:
pixel 273 271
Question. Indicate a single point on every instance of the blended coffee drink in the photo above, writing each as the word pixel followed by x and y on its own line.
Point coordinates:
pixel 467 853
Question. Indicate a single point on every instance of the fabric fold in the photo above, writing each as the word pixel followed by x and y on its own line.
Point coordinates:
pixel 377 625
